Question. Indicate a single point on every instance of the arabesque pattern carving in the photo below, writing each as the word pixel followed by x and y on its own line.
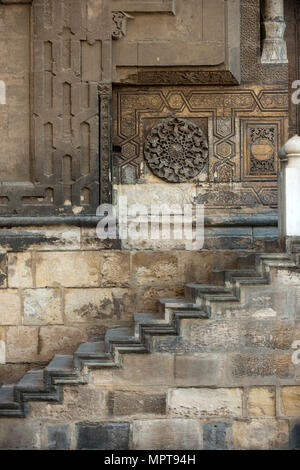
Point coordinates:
pixel 228 117
pixel 176 150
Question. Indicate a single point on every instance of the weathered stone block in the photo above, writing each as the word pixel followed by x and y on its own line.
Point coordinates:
pixel 3 270
pixel 20 270
pixel 295 437
pixel 260 434
pixel 290 401
pixel 217 435
pixel 102 436
pixel 261 401
pixel 102 304
pixel 68 269
pixel 150 369
pixel 197 369
pixel 12 373
pixel 58 340
pixel 42 307
pixel 192 402
pixel 155 268
pixel 115 269
pixel 2 348
pixel 19 434
pixel 146 298
pixel 90 241
pixel 135 403
pixel 21 344
pixel 59 437
pixel 79 403
pixel 197 267
pixel 262 365
pixel 10 302
pixel 167 434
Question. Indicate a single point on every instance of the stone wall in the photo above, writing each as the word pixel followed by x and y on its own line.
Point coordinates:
pixel 227 382
pixel 61 285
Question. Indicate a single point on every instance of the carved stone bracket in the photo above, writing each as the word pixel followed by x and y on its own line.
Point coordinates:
pixel 119 24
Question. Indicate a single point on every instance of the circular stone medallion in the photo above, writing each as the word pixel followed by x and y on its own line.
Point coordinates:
pixel 176 150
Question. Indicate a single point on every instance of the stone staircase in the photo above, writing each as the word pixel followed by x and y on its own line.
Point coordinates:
pixel 46 385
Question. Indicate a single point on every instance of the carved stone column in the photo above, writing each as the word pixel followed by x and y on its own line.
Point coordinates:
pixel 289 185
pixel 274 45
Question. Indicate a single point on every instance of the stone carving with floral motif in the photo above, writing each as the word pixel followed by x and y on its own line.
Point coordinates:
pixel 176 150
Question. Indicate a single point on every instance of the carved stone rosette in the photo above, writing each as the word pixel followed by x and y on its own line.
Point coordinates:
pixel 176 150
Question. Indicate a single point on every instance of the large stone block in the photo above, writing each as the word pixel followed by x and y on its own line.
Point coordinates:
pixel 106 305
pixel 261 366
pixel 115 269
pixel 198 369
pixel 155 269
pixel 79 403
pixel 295 437
pixel 147 298
pixel 10 302
pixel 205 402
pixel 217 435
pixel 59 437
pixel 22 344
pixel 261 401
pixel 123 403
pixel 261 434
pixel 68 269
pixel 3 270
pixel 167 434
pixel 12 373
pixel 20 270
pixel 2 348
pixel 102 436
pixel 42 307
pixel 290 401
pixel 59 340
pixel 197 267
pixel 17 434
pixel 145 370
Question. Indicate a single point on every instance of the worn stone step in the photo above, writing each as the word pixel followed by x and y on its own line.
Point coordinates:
pixel 32 381
pixel 62 370
pixel 7 400
pixel 153 323
pixel 61 364
pixel 194 292
pixel 92 354
pixel 124 339
pixel 220 277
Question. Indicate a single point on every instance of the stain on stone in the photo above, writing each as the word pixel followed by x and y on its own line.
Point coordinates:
pixel 20 241
pixel 295 437
pixel 59 437
pixel 102 436
pixel 215 435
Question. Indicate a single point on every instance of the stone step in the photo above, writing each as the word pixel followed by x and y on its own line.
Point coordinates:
pixel 93 355
pixel 32 381
pixel 61 364
pixel 152 323
pixel 62 370
pixel 194 292
pixel 124 339
pixel 220 277
pixel 7 400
